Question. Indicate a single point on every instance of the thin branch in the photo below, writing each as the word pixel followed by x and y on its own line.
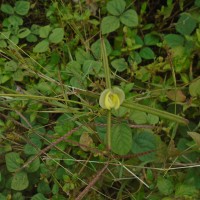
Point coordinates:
pixel 53 144
pixel 91 184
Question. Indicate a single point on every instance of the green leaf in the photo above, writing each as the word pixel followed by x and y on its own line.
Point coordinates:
pixel 62 127
pixel 3 44
pixel 44 31
pixel 22 7
pixel 20 181
pixel 7 8
pixel 174 40
pixel 92 67
pixel 18 75
pixel 44 87
pixel 165 186
pixel 15 21
pixel 82 56
pixel 121 139
pixel 138 117
pixel 23 32
pixel 121 112
pixel 43 188
pixel 109 24
pixel 33 166
pixel 55 188
pixel 43 118
pixel 129 18
pixel 14 40
pixel 194 88
pixel 196 137
pixel 119 64
pixel 39 196
pixel 186 24
pixel 151 39
pixel 147 53
pixel 183 190
pixel 73 67
pixel 11 66
pixel 101 130
pixel 116 7
pixel 4 78
pixel 152 119
pixel 32 148
pixel 41 47
pixel 197 3
pixel 31 38
pixel 13 161
pixel 17 196
pixel 96 48
pixel 57 35
pixel 78 83
pixel 3 197
pixel 144 141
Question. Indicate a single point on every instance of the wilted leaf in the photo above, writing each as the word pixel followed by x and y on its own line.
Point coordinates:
pixel 195 136
pixel 176 95
pixel 194 88
pixel 85 140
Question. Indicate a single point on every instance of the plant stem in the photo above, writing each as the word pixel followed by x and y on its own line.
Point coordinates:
pixel 108 85
pixel 155 111
pixel 109 130
pixel 105 64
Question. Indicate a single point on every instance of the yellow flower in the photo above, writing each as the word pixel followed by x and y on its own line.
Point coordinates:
pixel 111 98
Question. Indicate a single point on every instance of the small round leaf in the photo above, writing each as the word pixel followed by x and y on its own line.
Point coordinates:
pixel 116 7
pixel 41 47
pixel 57 35
pixel 129 18
pixel 20 181
pixel 121 139
pixel 22 7
pixel 109 24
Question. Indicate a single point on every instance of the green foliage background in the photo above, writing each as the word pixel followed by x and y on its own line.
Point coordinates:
pixel 52 129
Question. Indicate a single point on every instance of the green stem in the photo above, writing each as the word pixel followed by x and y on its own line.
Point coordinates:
pixel 105 64
pixel 155 111
pixel 42 98
pixel 109 130
pixel 108 85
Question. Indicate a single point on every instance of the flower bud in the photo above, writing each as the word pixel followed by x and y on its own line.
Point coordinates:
pixel 111 98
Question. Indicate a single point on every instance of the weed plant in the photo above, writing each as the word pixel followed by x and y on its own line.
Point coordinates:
pixel 99 99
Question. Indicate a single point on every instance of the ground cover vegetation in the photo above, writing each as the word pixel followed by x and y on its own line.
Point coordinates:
pixel 99 99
